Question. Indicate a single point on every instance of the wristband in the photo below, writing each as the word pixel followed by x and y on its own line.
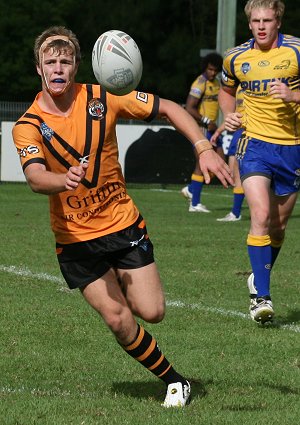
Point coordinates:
pixel 202 145
pixel 205 121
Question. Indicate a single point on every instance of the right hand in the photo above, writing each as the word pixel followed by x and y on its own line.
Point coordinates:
pixel 75 175
pixel 233 121
pixel 211 162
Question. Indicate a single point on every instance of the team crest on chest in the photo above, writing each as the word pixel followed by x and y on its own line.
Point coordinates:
pixel 46 131
pixel 245 67
pixel 96 109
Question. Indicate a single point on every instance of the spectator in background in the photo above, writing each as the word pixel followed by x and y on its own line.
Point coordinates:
pixel 202 104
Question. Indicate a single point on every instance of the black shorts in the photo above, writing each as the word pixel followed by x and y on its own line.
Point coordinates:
pixel 84 262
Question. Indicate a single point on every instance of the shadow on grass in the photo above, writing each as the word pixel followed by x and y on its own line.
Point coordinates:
pixel 292 317
pixel 156 390
pixel 284 389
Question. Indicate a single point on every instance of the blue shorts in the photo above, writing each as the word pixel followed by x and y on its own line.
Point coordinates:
pixel 219 142
pixel 234 142
pixel 279 163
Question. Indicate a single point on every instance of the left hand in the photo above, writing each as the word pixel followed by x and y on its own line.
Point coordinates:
pixel 210 161
pixel 280 90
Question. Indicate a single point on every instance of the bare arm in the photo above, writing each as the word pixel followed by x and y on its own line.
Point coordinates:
pixel 227 102
pixel 209 160
pixel 48 183
pixel 192 108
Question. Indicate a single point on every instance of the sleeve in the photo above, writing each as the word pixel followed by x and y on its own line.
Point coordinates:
pixel 28 141
pixel 228 78
pixel 198 87
pixel 137 105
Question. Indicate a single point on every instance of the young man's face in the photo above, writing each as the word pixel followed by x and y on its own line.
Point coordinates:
pixel 264 27
pixel 57 69
pixel 211 72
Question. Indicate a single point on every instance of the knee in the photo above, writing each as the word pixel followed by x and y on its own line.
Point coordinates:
pixel 115 323
pixel 154 315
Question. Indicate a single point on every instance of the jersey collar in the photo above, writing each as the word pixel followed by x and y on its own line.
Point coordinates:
pixel 279 41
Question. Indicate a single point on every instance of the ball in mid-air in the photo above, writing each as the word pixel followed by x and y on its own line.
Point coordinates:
pixel 117 62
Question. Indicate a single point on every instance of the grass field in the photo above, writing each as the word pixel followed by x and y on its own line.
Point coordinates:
pixel 60 365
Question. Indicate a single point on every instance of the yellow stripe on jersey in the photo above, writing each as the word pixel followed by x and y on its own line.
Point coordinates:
pixel 266 118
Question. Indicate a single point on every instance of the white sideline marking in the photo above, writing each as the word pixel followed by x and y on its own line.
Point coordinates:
pixel 203 192
pixel 291 327
pixel 221 195
pixel 24 272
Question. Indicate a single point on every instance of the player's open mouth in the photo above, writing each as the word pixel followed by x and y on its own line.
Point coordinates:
pixel 58 80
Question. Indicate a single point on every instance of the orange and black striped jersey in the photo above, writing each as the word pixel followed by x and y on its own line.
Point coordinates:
pixel 100 205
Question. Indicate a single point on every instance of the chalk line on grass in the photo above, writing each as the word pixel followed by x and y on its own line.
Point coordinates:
pixel 25 272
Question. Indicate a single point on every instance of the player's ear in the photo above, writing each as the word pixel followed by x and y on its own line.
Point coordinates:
pixel 38 70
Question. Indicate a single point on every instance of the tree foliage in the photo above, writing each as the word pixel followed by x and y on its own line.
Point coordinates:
pixel 169 34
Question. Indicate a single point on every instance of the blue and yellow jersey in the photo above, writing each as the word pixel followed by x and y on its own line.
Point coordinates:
pixel 207 93
pixel 265 118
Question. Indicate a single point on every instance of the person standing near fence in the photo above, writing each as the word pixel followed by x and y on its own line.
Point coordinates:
pixel 202 104
pixel 267 68
pixel 67 144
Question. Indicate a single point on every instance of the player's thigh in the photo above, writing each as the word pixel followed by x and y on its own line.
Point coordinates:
pixel 144 293
pixel 236 173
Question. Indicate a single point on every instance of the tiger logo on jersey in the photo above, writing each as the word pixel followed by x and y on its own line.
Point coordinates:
pixel 96 109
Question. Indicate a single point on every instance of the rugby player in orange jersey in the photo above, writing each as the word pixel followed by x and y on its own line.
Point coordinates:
pixel 67 144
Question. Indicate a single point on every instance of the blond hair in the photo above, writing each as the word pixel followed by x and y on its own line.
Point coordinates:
pixel 68 41
pixel 277 5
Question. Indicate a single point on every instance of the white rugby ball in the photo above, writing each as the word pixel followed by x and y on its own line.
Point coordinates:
pixel 117 62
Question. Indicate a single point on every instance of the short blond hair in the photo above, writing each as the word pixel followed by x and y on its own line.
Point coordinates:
pixel 59 45
pixel 277 5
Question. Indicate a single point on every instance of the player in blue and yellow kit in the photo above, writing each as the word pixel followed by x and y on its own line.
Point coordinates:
pixel 267 67
pixel 202 104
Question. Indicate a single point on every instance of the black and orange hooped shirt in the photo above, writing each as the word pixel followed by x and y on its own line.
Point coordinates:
pixel 100 205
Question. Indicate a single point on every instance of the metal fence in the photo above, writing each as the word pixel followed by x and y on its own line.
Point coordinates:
pixel 11 111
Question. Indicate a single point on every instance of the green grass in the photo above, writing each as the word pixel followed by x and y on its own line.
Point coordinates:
pixel 60 365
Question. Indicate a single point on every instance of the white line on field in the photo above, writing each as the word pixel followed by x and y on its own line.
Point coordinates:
pixel 228 313
pixel 221 195
pixel 24 272
pixel 203 192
